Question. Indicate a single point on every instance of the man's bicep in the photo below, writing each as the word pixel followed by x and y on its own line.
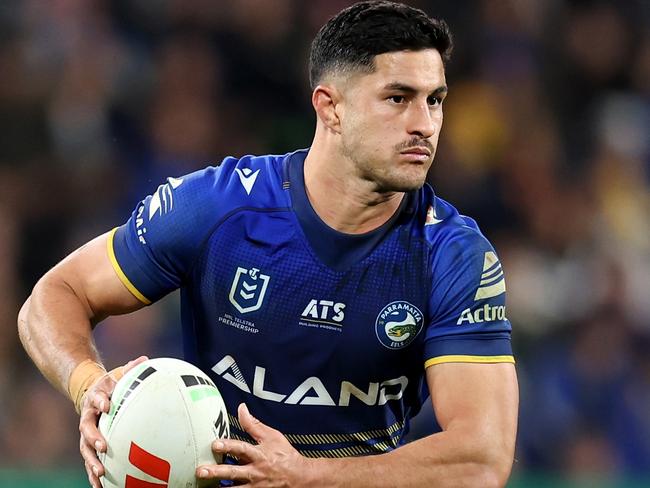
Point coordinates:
pixel 482 399
pixel 91 274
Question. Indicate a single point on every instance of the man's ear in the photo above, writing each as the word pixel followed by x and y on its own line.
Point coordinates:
pixel 326 100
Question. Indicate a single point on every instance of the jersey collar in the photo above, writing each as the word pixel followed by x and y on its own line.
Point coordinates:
pixel 337 250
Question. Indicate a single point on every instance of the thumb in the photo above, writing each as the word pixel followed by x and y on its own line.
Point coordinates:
pixel 133 363
pixel 117 373
pixel 253 426
pixel 120 371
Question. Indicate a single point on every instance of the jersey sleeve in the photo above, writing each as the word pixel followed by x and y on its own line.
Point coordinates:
pixel 154 250
pixel 468 304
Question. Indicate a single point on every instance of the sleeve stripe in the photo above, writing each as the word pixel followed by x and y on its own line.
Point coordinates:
pixel 492 279
pixel 491 290
pixel 459 358
pixel 118 270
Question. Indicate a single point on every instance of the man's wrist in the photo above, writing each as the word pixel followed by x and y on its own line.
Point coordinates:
pixel 316 472
pixel 84 375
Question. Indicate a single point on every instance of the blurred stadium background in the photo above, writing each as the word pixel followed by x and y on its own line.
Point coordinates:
pixel 546 143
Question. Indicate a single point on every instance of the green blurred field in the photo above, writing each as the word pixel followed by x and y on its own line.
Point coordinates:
pixel 70 478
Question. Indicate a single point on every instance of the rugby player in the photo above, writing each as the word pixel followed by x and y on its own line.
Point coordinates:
pixel 327 291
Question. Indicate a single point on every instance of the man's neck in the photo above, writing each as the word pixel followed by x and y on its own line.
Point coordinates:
pixel 343 200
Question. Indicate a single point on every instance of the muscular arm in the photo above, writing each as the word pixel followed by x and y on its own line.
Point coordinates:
pixel 55 323
pixel 476 405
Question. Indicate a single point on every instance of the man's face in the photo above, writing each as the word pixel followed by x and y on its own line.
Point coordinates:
pixel 391 118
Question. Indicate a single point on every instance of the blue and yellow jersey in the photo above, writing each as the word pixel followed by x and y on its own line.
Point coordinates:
pixel 326 336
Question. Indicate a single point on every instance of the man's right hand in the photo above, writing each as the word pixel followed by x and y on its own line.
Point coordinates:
pixel 95 401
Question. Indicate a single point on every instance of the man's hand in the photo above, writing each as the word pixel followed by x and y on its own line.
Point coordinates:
pixel 273 462
pixel 95 401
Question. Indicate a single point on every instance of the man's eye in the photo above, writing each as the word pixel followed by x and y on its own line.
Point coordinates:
pixel 434 101
pixel 396 99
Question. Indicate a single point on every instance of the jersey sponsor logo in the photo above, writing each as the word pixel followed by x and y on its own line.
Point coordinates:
pixel 140 227
pixel 324 314
pixel 486 313
pixel 398 324
pixel 432 217
pixel 492 281
pixel 248 289
pixel 312 390
pixel 247 178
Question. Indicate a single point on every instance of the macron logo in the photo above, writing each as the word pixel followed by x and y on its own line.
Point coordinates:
pixel 247 178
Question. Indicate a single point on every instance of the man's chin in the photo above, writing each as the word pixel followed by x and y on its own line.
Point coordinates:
pixel 402 185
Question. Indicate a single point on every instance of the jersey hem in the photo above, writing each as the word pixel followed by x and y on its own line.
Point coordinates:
pixel 461 358
pixel 120 273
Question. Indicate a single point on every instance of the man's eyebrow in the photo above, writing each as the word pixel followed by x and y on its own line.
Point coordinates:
pixel 440 90
pixel 401 87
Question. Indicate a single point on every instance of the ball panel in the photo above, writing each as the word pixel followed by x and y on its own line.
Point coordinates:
pixel 202 402
pixel 165 415
pixel 143 426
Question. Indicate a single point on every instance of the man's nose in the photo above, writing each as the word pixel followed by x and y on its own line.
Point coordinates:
pixel 421 121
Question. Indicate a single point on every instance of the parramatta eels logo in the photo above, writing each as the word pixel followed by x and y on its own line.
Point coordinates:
pixel 398 324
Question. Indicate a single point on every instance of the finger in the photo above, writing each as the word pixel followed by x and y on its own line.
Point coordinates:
pixel 100 399
pixel 132 364
pixel 117 373
pixel 253 426
pixel 230 472
pixel 89 473
pixel 91 461
pixel 89 431
pixel 94 481
pixel 245 452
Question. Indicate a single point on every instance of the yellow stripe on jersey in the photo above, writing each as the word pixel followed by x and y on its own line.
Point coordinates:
pixel 116 266
pixel 344 452
pixel 459 358
pixel 341 452
pixel 352 437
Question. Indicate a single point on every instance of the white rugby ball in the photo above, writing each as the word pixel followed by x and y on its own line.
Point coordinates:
pixel 165 413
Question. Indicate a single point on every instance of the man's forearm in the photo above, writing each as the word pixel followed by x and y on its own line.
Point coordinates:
pixel 55 323
pixel 447 459
pixel 55 330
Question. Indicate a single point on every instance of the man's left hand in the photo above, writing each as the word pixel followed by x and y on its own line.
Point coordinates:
pixel 272 463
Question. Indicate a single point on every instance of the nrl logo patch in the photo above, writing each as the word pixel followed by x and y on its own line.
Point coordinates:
pixel 248 289
pixel 398 324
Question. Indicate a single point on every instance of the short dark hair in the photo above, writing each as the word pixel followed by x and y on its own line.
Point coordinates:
pixel 353 37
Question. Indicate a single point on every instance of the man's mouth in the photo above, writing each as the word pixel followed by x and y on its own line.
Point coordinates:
pixel 419 155
pixel 417 150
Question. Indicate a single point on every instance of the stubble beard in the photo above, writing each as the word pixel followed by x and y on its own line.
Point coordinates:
pixel 393 181
pixel 390 176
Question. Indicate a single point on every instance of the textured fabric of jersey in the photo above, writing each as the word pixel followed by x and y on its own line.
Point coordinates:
pixel 325 336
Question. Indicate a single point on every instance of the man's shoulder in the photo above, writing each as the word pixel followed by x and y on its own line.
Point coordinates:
pixel 193 203
pixel 246 178
pixel 445 226
pixel 249 181
pixel 461 256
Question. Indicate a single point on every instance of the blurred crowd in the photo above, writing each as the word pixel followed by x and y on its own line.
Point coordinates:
pixel 546 143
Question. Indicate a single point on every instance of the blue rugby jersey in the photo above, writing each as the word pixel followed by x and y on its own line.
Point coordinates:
pixel 325 336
